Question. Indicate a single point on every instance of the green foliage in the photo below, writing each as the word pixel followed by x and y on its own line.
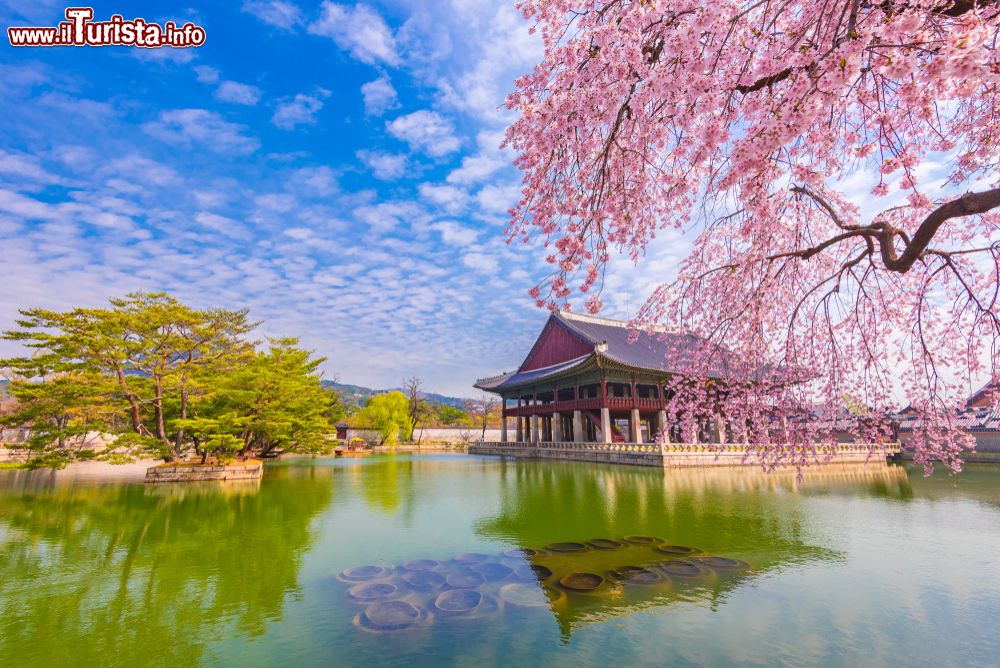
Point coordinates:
pixel 155 377
pixel 388 414
pixel 450 416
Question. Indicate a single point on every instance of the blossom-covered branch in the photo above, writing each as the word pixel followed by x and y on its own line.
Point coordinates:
pixel 838 161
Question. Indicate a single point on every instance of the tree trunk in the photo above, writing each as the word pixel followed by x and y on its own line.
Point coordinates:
pixel 133 402
pixel 178 442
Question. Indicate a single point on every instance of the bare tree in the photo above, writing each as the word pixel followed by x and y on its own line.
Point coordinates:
pixel 417 408
pixel 482 410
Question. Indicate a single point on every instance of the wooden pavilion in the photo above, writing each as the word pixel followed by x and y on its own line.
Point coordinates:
pixel 584 380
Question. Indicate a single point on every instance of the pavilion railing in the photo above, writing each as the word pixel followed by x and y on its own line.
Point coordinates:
pixel 680 448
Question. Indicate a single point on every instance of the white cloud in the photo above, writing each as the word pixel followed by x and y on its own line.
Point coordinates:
pixel 204 128
pixel 481 262
pixel 277 202
pixel 386 216
pixel 384 166
pixel 499 198
pixel 237 93
pixel 206 74
pixel 452 199
pixel 26 167
pixel 360 30
pixel 426 130
pixel 314 181
pixel 222 224
pixel 138 168
pixel 26 207
pixel 455 234
pixel 300 110
pixel 284 15
pixel 379 96
pixel 475 168
pixel 299 233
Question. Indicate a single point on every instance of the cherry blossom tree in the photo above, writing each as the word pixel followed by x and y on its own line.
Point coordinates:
pixel 836 163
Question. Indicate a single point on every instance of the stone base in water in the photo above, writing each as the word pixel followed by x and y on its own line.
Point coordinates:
pixel 251 470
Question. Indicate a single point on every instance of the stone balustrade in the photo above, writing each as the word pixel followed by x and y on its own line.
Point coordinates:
pixel 679 454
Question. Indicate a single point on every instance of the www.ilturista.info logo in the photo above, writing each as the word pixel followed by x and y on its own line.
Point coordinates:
pixel 79 29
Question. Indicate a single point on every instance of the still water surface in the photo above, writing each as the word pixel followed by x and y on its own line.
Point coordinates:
pixel 851 566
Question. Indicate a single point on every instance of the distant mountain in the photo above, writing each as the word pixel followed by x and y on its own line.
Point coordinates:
pixel 357 395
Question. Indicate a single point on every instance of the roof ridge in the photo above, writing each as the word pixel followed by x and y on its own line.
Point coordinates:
pixel 611 322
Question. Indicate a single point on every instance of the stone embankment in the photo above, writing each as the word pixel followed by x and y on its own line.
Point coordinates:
pixel 250 470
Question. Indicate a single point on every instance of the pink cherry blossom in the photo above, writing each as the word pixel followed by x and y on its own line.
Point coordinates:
pixel 759 126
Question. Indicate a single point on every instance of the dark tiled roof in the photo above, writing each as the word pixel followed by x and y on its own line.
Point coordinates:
pixel 989 389
pixel 661 349
pixel 976 420
pixel 522 377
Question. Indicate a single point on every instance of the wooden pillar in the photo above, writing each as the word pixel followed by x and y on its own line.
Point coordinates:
pixel 578 435
pixel 605 422
pixel 634 428
pixel 557 434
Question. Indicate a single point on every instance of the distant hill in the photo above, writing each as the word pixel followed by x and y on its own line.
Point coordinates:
pixel 357 395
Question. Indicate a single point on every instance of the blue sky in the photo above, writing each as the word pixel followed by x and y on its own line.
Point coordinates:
pixel 333 167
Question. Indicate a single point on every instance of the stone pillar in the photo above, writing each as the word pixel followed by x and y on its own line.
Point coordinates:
pixel 578 433
pixel 720 429
pixel 634 428
pixel 661 424
pixel 557 434
pixel 503 428
pixel 606 425
pixel 535 436
pixel 520 429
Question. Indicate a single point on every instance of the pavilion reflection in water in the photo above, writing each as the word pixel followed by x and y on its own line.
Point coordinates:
pixel 561 570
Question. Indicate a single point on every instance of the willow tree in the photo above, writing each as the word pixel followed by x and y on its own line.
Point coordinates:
pixel 836 164
pixel 388 413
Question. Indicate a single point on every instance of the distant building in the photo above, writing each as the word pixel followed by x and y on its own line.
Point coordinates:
pixel 986 396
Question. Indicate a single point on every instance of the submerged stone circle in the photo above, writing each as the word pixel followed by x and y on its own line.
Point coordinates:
pixel 423 580
pixel 420 565
pixel 458 601
pixel 605 544
pixel 568 546
pixel 636 575
pixel 464 579
pixel 492 570
pixel 389 616
pixel 371 591
pixel 582 581
pixel 362 573
pixel 676 549
pixel 682 568
pixel 725 563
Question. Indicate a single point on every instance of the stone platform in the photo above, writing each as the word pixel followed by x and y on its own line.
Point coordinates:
pixel 676 455
pixel 252 470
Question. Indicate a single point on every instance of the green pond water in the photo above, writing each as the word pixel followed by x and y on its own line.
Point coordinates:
pixel 849 566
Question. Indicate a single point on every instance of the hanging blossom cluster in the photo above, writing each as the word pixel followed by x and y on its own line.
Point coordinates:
pixel 838 165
